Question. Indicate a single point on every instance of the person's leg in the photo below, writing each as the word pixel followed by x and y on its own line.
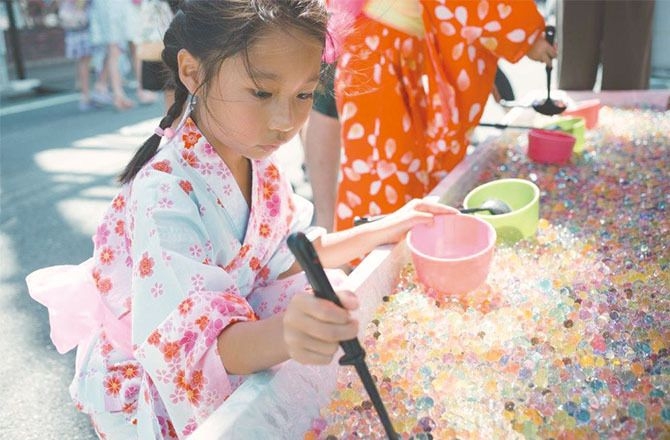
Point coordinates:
pixel 579 34
pixel 83 76
pixel 78 47
pixel 321 143
pixel 100 95
pixel 626 51
pixel 121 101
pixel 321 146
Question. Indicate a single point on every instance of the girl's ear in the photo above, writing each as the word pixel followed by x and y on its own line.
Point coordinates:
pixel 189 70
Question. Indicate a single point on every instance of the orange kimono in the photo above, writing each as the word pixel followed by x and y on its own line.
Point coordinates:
pixel 412 81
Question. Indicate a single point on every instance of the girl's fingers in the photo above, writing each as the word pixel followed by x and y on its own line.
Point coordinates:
pixel 439 209
pixel 430 205
pixel 414 212
pixel 321 319
pixel 435 208
pixel 314 328
pixel 348 299
pixel 321 309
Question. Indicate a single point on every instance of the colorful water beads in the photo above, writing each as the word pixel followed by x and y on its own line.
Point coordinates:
pixel 569 338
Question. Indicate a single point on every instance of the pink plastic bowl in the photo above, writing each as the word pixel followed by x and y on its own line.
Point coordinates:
pixel 588 109
pixel 550 146
pixel 453 254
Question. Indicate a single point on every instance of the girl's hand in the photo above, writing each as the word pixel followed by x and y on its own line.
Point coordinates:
pixel 339 248
pixel 394 226
pixel 313 327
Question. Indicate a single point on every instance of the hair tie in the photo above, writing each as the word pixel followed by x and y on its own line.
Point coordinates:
pixel 167 133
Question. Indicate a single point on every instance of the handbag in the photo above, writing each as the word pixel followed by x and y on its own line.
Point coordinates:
pixel 73 14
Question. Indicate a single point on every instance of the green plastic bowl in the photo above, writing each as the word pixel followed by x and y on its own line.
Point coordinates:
pixel 522 196
pixel 573 125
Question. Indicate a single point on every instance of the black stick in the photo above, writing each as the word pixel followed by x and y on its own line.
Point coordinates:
pixel 363 220
pixel 353 351
pixel 504 126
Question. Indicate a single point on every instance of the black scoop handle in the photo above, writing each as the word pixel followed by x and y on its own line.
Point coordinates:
pixel 308 259
pixel 550 34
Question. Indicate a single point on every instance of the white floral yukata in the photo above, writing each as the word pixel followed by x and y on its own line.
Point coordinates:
pixel 180 248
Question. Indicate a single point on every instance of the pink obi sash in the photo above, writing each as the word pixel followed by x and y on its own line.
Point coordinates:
pixel 76 309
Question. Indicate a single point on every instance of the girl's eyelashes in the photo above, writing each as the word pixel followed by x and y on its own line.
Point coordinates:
pixel 260 94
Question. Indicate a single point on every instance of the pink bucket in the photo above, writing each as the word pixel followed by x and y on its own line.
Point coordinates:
pixel 453 254
pixel 550 146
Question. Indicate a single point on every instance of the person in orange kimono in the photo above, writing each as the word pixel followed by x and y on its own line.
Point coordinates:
pixel 412 80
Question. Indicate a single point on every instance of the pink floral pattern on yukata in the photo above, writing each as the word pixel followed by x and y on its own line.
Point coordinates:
pixel 182 252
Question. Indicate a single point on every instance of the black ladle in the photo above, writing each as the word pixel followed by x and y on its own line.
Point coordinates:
pixel 519 127
pixel 549 107
pixel 354 354
pixel 493 206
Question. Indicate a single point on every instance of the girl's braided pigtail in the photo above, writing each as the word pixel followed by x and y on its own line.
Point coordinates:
pixel 150 146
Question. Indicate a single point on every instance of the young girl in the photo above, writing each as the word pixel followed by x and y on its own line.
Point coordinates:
pixel 191 286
